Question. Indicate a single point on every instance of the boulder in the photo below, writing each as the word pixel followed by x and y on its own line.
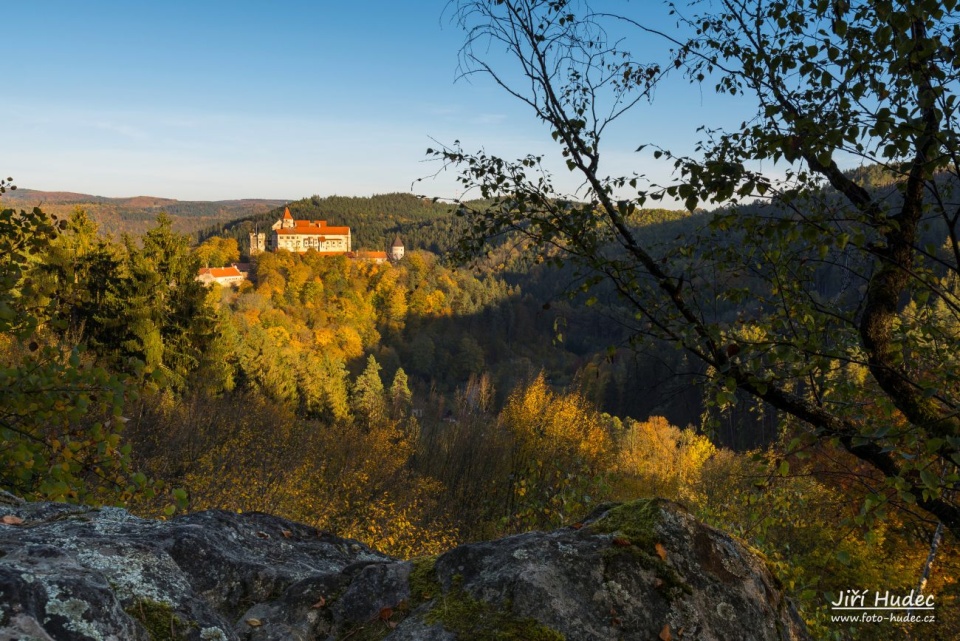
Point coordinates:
pixel 643 570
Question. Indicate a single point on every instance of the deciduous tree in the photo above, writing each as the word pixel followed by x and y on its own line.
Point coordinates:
pixel 831 84
pixel 60 426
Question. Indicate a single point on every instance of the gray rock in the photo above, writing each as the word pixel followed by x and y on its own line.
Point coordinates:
pixel 642 570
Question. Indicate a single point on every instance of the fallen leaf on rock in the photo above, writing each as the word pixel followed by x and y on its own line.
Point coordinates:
pixel 254 623
pixel 621 542
pixel 661 551
pixel 385 613
pixel 263 535
pixel 577 526
pixel 286 533
pixel 10 519
pixel 665 633
pixel 319 604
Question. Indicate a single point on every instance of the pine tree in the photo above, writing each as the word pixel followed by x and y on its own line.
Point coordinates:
pixel 369 403
pixel 400 395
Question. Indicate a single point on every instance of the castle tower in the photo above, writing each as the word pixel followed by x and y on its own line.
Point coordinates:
pixel 287 219
pixel 258 242
pixel 396 249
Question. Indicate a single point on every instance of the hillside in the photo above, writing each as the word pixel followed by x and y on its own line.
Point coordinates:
pixel 373 220
pixel 137 214
pixel 418 405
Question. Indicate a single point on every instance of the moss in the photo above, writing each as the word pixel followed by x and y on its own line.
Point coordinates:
pixel 159 620
pixel 379 627
pixel 475 620
pixel 469 618
pixel 635 523
pixel 424 585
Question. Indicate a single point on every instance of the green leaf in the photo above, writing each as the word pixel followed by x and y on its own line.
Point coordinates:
pixel 930 480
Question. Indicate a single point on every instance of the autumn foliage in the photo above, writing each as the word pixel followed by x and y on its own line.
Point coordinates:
pixel 409 406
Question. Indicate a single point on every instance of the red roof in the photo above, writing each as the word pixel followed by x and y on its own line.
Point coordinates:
pixel 321 231
pixel 220 272
pixel 315 227
pixel 286 214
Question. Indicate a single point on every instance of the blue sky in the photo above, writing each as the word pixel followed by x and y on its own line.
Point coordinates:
pixel 210 100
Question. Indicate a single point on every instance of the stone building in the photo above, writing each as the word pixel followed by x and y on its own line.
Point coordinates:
pixel 226 276
pixel 301 235
pixel 396 249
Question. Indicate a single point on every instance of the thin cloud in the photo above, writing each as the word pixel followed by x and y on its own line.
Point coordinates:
pixel 127 131
pixel 488 119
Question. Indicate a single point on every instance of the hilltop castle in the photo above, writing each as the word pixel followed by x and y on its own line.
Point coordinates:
pixel 301 235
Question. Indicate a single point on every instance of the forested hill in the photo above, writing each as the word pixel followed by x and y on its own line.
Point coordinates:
pixel 374 221
pixel 137 214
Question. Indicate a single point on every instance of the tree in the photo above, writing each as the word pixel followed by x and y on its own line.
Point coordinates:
pixel 60 425
pixel 369 399
pixel 561 448
pixel 217 251
pixel 400 396
pixel 173 321
pixel 655 458
pixel 853 366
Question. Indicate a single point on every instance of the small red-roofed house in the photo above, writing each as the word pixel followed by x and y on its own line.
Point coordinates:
pixel 226 276
pixel 376 257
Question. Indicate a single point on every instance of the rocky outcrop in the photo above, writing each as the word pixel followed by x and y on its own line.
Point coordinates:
pixel 645 570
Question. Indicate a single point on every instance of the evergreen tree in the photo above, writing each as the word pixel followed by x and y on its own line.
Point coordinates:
pixel 369 403
pixel 400 396
pixel 60 436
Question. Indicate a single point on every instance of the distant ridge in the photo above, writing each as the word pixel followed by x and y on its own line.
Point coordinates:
pixel 136 214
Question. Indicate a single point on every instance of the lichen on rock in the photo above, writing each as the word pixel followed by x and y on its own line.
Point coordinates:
pixel 78 574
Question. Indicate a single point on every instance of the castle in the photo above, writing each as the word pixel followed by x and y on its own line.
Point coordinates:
pixel 301 235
